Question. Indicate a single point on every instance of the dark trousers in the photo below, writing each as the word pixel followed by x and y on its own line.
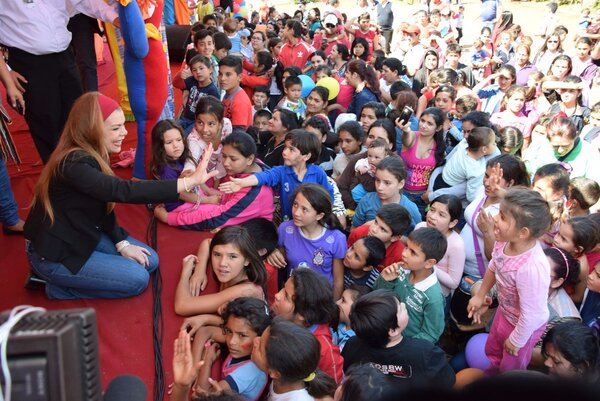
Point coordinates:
pixel 52 88
pixel 387 34
pixel 83 28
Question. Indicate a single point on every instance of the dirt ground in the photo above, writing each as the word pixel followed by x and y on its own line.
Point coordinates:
pixel 527 14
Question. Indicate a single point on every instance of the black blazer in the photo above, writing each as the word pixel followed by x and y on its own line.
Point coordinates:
pixel 79 194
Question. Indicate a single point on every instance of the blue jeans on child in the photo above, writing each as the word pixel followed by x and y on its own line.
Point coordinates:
pixel 8 206
pixel 187 125
pixel 106 274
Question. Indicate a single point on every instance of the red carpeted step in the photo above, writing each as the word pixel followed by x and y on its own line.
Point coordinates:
pixel 125 325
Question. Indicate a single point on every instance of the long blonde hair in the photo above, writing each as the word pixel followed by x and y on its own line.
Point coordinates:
pixel 83 131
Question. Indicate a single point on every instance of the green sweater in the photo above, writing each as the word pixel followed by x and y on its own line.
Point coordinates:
pixel 424 304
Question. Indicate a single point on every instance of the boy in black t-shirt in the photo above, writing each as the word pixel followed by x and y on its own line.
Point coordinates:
pixel 378 319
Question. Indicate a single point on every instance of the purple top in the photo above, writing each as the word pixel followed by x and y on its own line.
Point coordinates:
pixel 171 172
pixel 523 73
pixel 316 253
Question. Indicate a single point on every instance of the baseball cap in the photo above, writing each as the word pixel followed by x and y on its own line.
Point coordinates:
pixel 330 19
pixel 412 29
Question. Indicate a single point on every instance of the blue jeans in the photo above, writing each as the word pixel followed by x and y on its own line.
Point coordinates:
pixel 417 199
pixel 8 206
pixel 187 125
pixel 106 274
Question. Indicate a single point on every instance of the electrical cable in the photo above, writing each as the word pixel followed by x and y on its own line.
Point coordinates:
pixel 16 314
pixel 158 324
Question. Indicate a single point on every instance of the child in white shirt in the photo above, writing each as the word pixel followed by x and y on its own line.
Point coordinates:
pixel 468 165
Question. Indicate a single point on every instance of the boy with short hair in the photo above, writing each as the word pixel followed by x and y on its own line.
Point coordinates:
pixel 300 152
pixel 453 54
pixel 390 223
pixel 260 98
pixel 202 44
pixel 210 20
pixel 349 296
pixel 418 285
pixel 196 86
pixel 230 77
pixel 393 70
pixel 261 121
pixel 464 105
pixel 260 129
pixel 230 28
pixel 292 100
pixel 322 71
pixel 319 126
pixel 361 261
pixel 205 45
pixel 380 321
pixel 583 194
pixel 222 45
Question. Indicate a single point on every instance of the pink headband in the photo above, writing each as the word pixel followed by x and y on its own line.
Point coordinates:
pixel 565 259
pixel 107 105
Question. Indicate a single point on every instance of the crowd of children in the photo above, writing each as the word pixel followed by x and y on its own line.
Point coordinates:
pixel 375 192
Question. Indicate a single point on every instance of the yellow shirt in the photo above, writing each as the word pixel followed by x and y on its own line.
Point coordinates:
pixel 204 9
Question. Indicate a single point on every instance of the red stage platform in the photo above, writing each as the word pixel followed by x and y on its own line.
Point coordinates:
pixel 125 325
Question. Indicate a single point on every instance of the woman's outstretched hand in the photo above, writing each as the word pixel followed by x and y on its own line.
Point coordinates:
pixel 200 175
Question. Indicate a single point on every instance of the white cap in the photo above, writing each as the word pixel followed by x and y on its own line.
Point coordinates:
pixel 342 118
pixel 330 19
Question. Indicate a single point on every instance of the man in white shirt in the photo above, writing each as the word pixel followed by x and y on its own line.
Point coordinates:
pixel 43 67
pixel 413 58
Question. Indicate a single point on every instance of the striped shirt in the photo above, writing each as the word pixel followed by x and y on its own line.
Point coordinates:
pixel 367 280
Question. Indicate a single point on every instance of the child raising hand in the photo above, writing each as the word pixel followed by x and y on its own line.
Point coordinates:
pixel 521 273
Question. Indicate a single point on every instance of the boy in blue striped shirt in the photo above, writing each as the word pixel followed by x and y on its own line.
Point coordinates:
pixel 361 261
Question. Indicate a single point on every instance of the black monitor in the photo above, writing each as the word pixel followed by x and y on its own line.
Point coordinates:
pixel 53 356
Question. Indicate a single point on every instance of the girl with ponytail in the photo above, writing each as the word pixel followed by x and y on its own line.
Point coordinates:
pixel 362 77
pixel 289 354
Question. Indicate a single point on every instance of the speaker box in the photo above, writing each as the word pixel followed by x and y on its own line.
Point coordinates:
pixel 178 37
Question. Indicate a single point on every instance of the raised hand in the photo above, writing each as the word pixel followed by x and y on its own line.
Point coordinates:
pixel 184 370
pixel 392 272
pixel 200 175
pixel 495 177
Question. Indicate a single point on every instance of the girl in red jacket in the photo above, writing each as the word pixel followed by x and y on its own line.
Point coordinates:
pixel 307 300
